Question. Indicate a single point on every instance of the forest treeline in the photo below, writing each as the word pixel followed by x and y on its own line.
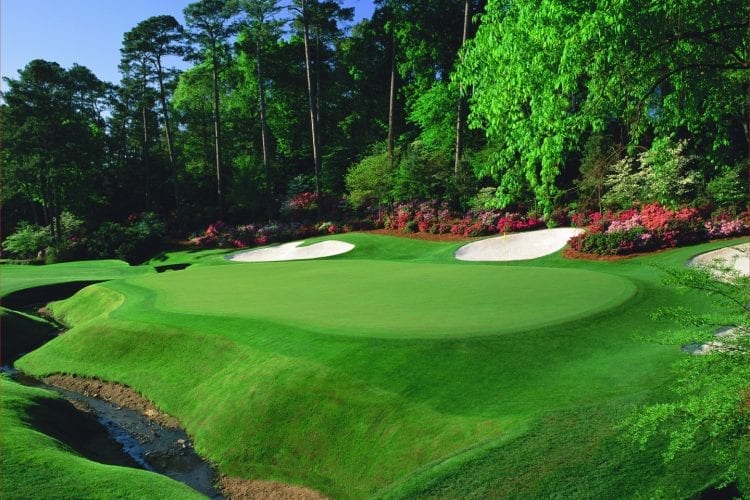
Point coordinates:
pixel 577 106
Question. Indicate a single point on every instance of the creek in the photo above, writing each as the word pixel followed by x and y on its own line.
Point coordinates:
pixel 140 441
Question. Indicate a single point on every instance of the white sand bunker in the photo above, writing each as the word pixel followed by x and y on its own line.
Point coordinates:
pixel 292 251
pixel 727 333
pixel 518 246
pixel 737 257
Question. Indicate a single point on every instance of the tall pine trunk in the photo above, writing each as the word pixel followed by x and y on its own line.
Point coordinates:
pixel 144 159
pixel 392 101
pixel 461 102
pixel 217 134
pixel 311 101
pixel 168 133
pixel 264 139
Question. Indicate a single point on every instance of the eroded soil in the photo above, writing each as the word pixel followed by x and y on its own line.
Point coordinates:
pixel 117 394
pixel 234 488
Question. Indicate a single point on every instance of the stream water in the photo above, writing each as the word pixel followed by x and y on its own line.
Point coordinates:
pixel 153 447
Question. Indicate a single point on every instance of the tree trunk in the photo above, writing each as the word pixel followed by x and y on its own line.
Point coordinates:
pixel 392 100
pixel 47 204
pixel 264 139
pixel 57 233
pixel 144 158
pixel 311 101
pixel 461 104
pixel 168 133
pixel 317 87
pixel 746 123
pixel 217 133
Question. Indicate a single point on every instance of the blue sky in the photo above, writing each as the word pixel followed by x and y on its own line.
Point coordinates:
pixel 87 32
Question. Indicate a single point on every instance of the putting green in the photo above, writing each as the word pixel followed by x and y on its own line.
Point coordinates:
pixel 389 299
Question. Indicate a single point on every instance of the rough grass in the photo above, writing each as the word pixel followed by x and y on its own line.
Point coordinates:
pixel 276 396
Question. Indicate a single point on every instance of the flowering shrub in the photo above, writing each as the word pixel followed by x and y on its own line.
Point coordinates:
pixel 301 202
pixel 220 235
pixel 511 223
pixel 436 218
pixel 725 228
pixel 653 226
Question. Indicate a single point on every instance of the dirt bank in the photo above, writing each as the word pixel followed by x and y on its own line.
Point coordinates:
pixel 234 488
pixel 117 394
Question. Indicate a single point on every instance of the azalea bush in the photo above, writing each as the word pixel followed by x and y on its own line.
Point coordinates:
pixel 306 201
pixel 221 235
pixel 652 226
pixel 436 218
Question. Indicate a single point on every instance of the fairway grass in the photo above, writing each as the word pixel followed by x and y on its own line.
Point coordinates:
pixel 282 371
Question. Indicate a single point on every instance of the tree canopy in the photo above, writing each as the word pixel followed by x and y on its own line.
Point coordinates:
pixel 546 75
pixel 569 105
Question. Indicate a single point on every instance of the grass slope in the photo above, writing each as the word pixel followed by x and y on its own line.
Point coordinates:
pixel 275 396
pixel 18 277
pixel 36 465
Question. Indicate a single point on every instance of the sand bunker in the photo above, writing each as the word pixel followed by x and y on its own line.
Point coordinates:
pixel 518 246
pixel 736 256
pixel 731 333
pixel 292 251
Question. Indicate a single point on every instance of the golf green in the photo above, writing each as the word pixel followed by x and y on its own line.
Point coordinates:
pixel 389 299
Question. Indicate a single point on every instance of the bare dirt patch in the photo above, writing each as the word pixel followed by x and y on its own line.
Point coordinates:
pixel 234 488
pixel 114 393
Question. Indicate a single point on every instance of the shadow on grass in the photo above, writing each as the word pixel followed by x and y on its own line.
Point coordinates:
pixel 78 430
pixel 38 296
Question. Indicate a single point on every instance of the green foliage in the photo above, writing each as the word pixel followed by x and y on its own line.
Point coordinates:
pixel 422 174
pixel 302 183
pixel 27 241
pixel 483 199
pixel 729 187
pixel 709 409
pixel 434 112
pixel 30 240
pixel 545 75
pixel 599 154
pixel 664 173
pixel 369 182
pixel 671 178
pixel 134 242
pixel 53 145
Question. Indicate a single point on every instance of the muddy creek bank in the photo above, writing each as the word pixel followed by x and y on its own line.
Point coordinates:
pixel 111 424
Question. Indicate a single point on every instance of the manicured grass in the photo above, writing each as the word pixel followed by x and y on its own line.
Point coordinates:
pixel 36 465
pixel 18 277
pixel 388 299
pixel 422 393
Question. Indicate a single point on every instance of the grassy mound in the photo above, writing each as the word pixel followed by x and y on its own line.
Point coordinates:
pixel 386 405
